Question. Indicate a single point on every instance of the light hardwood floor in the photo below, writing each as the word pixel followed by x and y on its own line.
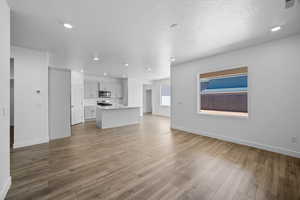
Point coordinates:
pixel 150 161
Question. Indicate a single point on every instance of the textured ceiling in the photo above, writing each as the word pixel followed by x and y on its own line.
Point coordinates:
pixel 138 31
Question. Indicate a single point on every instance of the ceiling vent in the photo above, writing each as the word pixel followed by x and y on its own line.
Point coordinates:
pixel 289 3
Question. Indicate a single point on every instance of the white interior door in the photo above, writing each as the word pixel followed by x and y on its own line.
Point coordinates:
pixel 59 103
pixel 77 95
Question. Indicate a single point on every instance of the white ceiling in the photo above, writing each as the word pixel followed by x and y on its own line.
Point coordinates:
pixel 138 31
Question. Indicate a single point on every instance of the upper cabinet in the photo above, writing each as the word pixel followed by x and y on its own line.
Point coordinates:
pixel 118 90
pixel 91 89
pixel 104 86
pixel 115 87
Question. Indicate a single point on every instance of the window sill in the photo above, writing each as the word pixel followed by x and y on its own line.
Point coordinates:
pixel 224 114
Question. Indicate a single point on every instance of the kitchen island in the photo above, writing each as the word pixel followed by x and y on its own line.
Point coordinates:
pixel 117 116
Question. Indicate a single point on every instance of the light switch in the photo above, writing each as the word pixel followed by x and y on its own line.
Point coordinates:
pixel 2 112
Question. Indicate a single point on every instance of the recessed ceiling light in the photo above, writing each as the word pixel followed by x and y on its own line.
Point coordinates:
pixel 96 59
pixel 276 28
pixel 105 74
pixel 172 59
pixel 149 69
pixel 68 26
pixel 81 71
pixel 173 25
pixel 126 64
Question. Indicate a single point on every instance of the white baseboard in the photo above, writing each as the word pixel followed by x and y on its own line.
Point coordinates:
pixel 242 142
pixel 30 142
pixel 160 114
pixel 5 188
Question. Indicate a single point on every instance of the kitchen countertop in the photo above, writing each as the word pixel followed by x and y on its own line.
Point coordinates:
pixel 86 105
pixel 116 107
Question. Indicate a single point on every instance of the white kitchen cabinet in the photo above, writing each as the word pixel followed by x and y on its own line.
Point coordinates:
pixel 118 90
pixel 90 112
pixel 115 87
pixel 104 85
pixel 112 89
pixel 91 89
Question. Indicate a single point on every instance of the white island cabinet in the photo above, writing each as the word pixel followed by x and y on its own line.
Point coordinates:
pixel 117 116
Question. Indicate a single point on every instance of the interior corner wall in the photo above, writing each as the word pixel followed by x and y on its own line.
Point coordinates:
pixel 31 106
pixel 5 179
pixel 273 94
pixel 135 94
pixel 157 109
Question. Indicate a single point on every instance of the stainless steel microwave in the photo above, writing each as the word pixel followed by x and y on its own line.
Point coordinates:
pixel 104 94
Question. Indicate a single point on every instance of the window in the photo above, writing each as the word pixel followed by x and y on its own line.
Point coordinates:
pixel 224 92
pixel 165 95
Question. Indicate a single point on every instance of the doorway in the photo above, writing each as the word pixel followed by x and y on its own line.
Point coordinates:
pixel 59 103
pixel 148 102
pixel 77 95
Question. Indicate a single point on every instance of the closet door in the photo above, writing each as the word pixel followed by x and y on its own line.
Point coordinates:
pixel 59 103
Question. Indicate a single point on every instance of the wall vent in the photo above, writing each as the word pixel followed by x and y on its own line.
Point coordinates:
pixel 289 3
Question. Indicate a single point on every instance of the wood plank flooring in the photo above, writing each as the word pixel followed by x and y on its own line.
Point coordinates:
pixel 150 161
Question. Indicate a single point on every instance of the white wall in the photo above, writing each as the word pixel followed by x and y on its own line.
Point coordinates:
pixel 157 109
pixel 135 94
pixel 5 179
pixel 274 111
pixel 31 108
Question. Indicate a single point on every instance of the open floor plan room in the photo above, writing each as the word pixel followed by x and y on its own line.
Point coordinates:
pixel 150 161
pixel 149 100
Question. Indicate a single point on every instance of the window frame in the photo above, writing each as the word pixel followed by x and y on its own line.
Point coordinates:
pixel 160 95
pixel 221 113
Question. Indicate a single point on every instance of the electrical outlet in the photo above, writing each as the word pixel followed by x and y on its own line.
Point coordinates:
pixel 294 140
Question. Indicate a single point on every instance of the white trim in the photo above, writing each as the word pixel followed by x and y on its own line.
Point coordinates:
pixel 5 188
pixel 160 97
pixel 165 105
pixel 30 142
pixel 223 115
pixel 197 92
pixel 275 149
pixel 160 114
